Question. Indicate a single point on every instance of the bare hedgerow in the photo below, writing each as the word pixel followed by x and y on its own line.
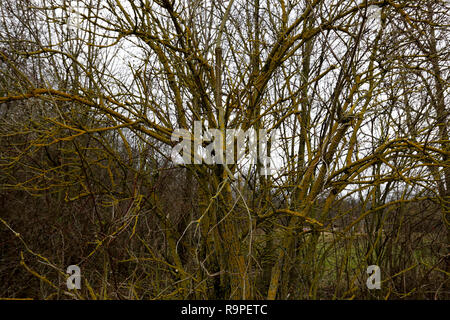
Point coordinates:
pixel 358 92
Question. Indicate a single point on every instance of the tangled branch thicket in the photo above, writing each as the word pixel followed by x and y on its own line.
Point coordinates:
pixel 358 90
